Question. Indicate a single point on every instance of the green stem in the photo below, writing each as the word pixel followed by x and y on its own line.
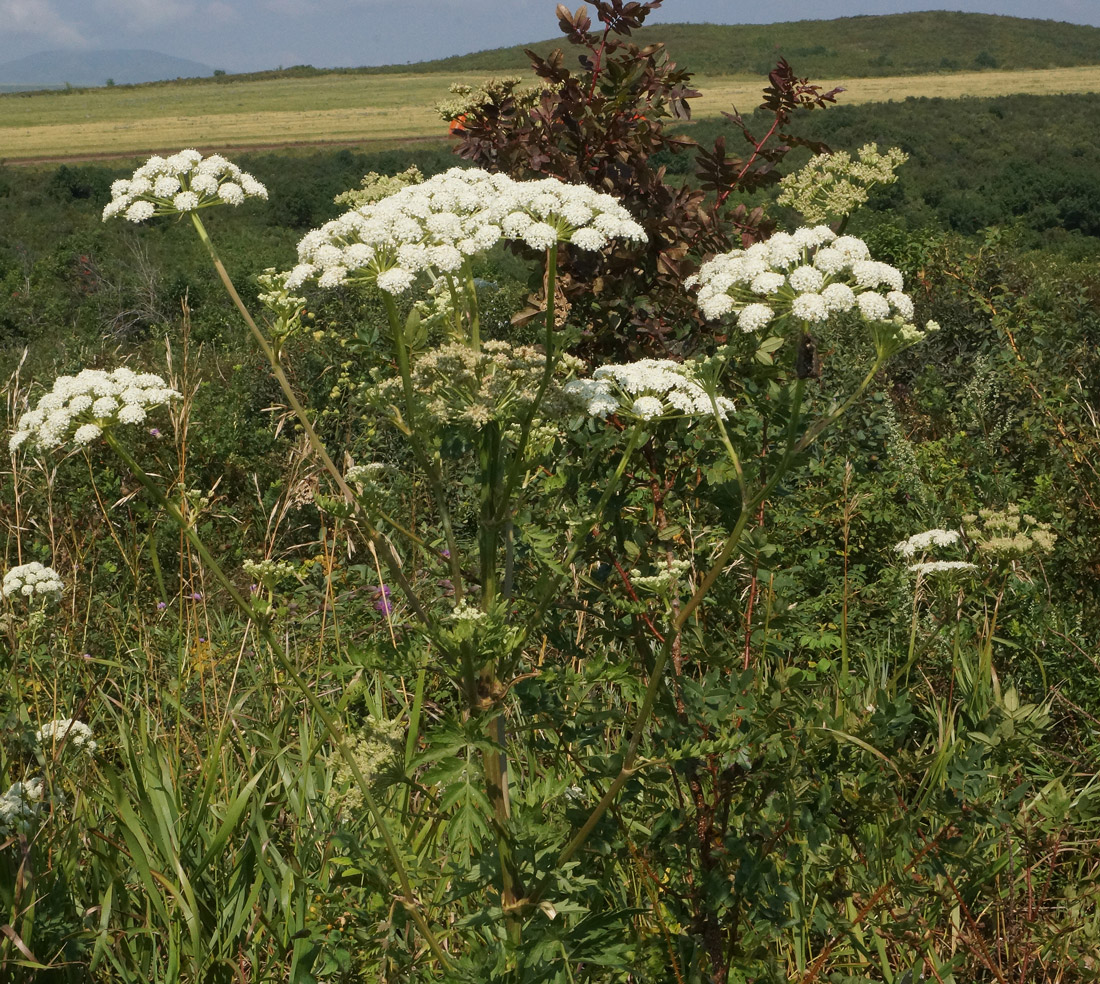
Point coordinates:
pixel 263 626
pixel 431 472
pixel 472 307
pixel 512 477
pixel 675 627
pixel 393 564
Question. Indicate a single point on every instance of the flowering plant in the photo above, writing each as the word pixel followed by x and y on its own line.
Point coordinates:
pixel 31 581
pixel 183 182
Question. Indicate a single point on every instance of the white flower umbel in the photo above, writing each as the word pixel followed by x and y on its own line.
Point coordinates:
pixel 31 580
pixel 808 276
pixel 942 567
pixel 436 224
pixel 646 390
pixel 184 182
pixel 66 731
pixel 920 542
pixel 20 806
pixel 85 405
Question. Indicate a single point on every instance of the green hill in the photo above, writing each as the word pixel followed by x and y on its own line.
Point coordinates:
pixel 891 44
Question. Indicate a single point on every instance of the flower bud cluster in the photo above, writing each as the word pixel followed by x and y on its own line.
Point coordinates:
pixel 1008 534
pixel 181 183
pixel 437 224
pixel 832 186
pixel 650 389
pixel 31 581
pixel 85 405
pixel 809 275
pixel 66 730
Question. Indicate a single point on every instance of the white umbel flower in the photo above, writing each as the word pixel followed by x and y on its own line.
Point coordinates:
pixel 647 390
pixel 85 405
pixel 807 276
pixel 180 183
pixel 431 226
pixel 66 731
pixel 31 580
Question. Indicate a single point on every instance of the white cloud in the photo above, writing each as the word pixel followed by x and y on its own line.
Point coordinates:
pixel 39 20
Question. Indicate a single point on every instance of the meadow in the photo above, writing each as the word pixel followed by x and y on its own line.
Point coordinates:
pixel 563 594
pixel 378 110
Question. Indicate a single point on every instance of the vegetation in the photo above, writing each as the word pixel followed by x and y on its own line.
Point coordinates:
pixel 445 677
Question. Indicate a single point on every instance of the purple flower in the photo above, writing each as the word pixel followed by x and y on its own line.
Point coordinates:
pixel 381 596
pixel 154 432
pixel 196 596
pixel 161 605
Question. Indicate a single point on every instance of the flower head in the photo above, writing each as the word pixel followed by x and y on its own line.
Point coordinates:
pixel 31 581
pixel 181 183
pixel 434 224
pixel 85 405
pixel 646 390
pixel 808 276
pixel 66 730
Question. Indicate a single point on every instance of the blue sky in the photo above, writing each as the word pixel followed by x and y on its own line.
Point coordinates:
pixel 246 35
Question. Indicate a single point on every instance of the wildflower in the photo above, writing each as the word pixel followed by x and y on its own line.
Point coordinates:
pixel 646 390
pixel 20 806
pixel 181 183
pixel 922 541
pixel 831 186
pixel 31 581
pixel 66 731
pixel 942 566
pixel 435 224
pixel 85 405
pixel 808 275
pixel 381 596
pixel 1008 534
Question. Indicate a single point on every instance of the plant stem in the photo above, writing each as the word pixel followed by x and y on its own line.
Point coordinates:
pixel 393 564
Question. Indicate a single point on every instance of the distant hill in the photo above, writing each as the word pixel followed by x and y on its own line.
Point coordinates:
pixel 53 69
pixel 889 44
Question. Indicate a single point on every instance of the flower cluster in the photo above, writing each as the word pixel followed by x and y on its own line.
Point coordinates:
pixel 1008 534
pixel 646 390
pixel 458 385
pixel 88 403
pixel 437 224
pixel 181 183
pixel 20 806
pixel 808 275
pixel 31 581
pixel 66 731
pixel 831 186
pixel 921 543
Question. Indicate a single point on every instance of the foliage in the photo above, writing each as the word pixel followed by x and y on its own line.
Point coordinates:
pixel 463 682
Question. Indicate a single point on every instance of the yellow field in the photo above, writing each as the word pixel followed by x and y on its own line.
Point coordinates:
pixel 371 109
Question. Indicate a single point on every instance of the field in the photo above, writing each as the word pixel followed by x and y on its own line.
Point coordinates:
pixel 377 110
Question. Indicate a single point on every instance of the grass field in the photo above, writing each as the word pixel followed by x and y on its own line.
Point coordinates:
pixel 372 109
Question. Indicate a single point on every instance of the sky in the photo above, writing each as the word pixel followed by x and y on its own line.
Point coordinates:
pixel 249 35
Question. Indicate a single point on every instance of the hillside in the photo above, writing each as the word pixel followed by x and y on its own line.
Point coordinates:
pixel 55 69
pixel 890 44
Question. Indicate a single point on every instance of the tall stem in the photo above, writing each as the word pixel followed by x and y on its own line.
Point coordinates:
pixel 431 470
pixel 263 626
pixel 393 564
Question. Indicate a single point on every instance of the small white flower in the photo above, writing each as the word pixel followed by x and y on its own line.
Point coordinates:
pixel 753 317
pixel 809 307
pixel 30 579
pixel 806 279
pixel 647 407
